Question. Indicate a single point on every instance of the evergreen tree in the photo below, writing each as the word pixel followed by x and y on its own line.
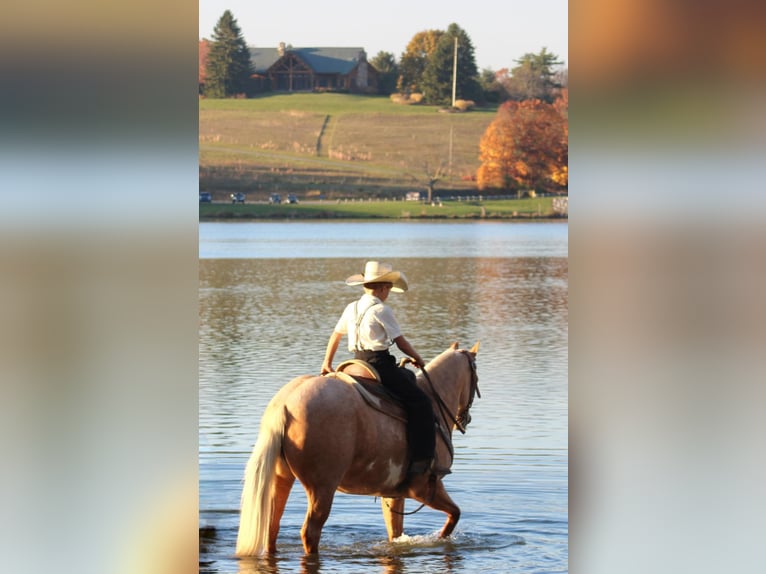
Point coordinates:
pixel 437 76
pixel 385 64
pixel 228 63
pixel 535 77
pixel 492 89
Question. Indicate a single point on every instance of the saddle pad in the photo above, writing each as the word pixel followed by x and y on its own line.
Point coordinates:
pixel 375 395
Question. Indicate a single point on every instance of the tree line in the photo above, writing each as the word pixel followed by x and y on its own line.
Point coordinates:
pixel 425 67
pixel 525 148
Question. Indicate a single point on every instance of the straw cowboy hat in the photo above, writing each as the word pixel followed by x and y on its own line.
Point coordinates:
pixel 375 272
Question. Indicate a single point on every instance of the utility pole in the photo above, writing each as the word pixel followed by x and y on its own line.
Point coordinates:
pixel 454 74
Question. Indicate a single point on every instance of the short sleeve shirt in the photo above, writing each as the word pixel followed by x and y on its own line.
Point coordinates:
pixel 377 329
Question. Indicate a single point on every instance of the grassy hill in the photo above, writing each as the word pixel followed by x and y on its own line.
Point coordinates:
pixel 339 145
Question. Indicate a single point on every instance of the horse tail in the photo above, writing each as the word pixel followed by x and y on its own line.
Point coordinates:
pixel 258 491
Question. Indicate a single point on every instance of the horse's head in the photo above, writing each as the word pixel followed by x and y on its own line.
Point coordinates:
pixel 455 369
pixel 464 414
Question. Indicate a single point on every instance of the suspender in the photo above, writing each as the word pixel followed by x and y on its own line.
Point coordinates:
pixel 357 346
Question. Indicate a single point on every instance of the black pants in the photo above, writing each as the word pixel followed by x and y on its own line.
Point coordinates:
pixel 420 414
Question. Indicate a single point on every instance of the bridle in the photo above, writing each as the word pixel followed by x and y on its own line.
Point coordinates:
pixel 464 416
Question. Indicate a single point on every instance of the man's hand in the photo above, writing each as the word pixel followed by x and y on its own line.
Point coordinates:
pixel 417 362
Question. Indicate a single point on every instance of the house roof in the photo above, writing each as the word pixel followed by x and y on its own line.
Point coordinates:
pixel 321 60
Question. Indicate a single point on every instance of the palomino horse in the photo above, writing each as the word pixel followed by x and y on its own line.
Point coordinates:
pixel 321 431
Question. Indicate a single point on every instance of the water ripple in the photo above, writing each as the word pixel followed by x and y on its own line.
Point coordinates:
pixel 265 321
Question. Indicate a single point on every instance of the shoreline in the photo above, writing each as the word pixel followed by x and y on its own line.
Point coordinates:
pixel 527 209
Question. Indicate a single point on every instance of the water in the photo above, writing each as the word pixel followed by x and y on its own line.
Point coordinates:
pixel 269 297
pixel 366 240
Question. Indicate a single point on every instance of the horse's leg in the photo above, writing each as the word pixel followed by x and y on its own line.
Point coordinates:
pixel 282 488
pixel 392 514
pixel 319 504
pixel 441 501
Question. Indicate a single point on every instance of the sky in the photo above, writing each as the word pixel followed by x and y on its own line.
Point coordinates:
pixel 499 35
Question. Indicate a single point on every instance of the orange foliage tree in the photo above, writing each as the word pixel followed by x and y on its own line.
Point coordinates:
pixel 526 147
pixel 560 173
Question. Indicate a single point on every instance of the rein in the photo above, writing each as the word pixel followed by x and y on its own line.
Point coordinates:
pixel 432 484
pixel 443 408
pixel 457 420
pixel 418 509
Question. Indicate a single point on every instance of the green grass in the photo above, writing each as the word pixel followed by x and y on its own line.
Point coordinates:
pixel 339 144
pixel 329 103
pixel 361 209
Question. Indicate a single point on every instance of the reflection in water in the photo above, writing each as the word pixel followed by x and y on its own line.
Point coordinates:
pixel 265 321
pixel 313 564
pixel 398 564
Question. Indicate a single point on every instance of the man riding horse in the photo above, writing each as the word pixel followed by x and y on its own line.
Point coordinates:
pixel 372 329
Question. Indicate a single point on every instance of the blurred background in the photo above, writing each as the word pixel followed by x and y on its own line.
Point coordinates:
pixel 98 305
pixel 98 286
pixel 667 273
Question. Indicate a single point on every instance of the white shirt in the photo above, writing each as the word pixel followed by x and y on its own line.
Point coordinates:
pixel 378 327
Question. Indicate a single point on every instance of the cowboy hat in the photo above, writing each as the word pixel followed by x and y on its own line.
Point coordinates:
pixel 375 272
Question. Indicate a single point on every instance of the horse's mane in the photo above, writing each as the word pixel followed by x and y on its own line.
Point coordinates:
pixel 435 365
pixel 442 357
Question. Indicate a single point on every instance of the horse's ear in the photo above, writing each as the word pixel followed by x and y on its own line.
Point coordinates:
pixel 475 349
pixel 454 346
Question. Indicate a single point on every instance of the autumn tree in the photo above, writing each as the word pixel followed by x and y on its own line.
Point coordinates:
pixel 228 61
pixel 385 64
pixel 414 59
pixel 525 147
pixel 204 48
pixel 535 77
pixel 438 73
pixel 560 173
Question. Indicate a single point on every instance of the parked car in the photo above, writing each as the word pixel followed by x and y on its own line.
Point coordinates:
pixel 205 197
pixel 237 197
pixel 275 198
pixel 416 196
pixel 292 199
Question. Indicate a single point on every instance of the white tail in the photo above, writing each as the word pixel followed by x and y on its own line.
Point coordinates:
pixel 258 491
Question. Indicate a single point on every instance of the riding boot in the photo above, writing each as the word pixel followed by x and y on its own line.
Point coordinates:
pixel 420 466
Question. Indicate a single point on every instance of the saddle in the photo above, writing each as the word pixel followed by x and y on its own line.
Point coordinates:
pixel 366 380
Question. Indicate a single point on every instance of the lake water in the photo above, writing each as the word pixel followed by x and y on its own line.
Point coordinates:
pixel 270 294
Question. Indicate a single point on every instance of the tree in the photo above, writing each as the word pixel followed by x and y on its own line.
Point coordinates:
pixel 535 77
pixel 492 89
pixel 414 59
pixel 526 147
pixel 228 62
pixel 560 174
pixel 438 73
pixel 432 173
pixel 385 64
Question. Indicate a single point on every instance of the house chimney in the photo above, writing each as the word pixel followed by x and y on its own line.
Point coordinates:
pixel 281 49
